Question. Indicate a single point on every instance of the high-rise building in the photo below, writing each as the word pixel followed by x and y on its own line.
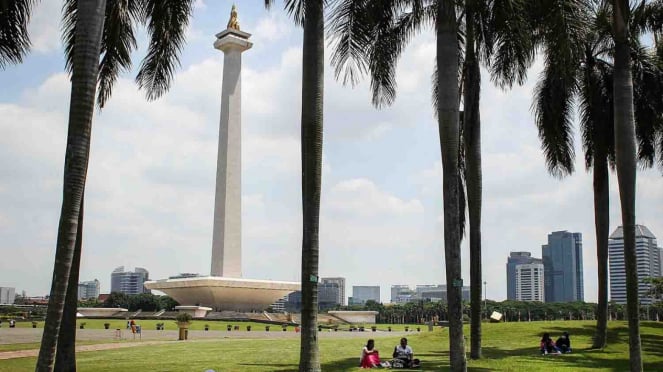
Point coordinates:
pixel 129 282
pixel 328 295
pixel 515 259
pixel 341 287
pixel 89 289
pixel 363 293
pixel 648 262
pixel 7 295
pixel 401 293
pixel 563 273
pixel 660 260
pixel 530 282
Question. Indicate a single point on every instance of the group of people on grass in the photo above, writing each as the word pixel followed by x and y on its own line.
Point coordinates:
pixel 403 357
pixel 561 346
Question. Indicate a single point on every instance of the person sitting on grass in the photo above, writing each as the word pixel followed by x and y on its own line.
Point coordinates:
pixel 548 346
pixel 403 356
pixel 369 356
pixel 564 343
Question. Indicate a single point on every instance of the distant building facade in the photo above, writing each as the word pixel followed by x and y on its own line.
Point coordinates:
pixel 328 295
pixel 648 256
pixel 530 282
pixel 424 292
pixel 524 277
pixel 363 293
pixel 401 294
pixel 89 289
pixel 7 295
pixel 129 282
pixel 340 282
pixel 563 268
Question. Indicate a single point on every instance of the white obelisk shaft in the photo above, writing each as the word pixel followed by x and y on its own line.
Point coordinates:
pixel 227 234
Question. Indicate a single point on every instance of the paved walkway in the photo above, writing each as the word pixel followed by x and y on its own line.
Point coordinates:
pixel 118 345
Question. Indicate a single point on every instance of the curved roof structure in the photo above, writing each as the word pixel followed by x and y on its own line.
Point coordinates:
pixel 223 293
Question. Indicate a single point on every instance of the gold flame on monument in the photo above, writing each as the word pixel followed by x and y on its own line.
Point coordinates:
pixel 233 23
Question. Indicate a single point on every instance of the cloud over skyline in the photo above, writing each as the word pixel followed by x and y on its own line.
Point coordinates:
pixel 150 189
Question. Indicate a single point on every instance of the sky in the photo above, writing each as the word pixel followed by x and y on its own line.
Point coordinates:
pixel 151 180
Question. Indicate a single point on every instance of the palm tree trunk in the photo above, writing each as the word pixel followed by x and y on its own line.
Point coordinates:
pixel 472 143
pixel 447 114
pixel 602 226
pixel 312 115
pixel 83 88
pixel 65 357
pixel 625 152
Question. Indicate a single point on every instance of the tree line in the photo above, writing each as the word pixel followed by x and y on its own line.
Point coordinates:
pixel 420 312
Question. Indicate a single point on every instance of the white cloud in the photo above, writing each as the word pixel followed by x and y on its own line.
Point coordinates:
pixel 151 180
pixel 361 197
pixel 44 26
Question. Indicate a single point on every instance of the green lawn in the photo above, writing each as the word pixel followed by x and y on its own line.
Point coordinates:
pixel 507 347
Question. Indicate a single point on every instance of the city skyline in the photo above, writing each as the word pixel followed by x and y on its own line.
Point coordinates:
pixel 150 194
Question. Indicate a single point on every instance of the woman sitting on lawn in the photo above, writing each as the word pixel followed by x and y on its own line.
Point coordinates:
pixel 369 355
pixel 548 346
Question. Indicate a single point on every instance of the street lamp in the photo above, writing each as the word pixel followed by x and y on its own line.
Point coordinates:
pixel 485 292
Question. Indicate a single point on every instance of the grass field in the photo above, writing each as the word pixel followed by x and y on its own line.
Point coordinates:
pixel 507 347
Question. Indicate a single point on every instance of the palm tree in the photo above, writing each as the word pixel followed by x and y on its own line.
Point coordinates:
pixel 625 155
pixel 309 13
pixel 370 36
pixel 92 29
pixel 584 73
pixel 14 38
pixel 84 68
pixel 499 35
pixel 366 40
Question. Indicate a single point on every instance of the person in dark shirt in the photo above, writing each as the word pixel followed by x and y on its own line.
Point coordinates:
pixel 564 343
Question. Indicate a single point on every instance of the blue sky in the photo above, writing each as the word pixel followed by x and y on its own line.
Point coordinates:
pixel 150 190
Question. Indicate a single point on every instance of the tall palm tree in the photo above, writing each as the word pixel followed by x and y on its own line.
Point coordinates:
pixel 93 29
pixel 585 73
pixel 366 40
pixel 85 63
pixel 496 33
pixel 499 35
pixel 309 13
pixel 14 38
pixel 625 155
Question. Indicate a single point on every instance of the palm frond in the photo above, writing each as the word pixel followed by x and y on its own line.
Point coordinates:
pixel 167 21
pixel 117 44
pixel 647 102
pixel 69 20
pixel 14 38
pixel 596 110
pixel 351 29
pixel 553 108
pixel 392 33
pixel 511 42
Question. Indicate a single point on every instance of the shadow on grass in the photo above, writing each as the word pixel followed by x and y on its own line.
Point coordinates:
pixel 352 364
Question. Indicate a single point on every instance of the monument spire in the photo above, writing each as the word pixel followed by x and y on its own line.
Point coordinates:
pixel 227 233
